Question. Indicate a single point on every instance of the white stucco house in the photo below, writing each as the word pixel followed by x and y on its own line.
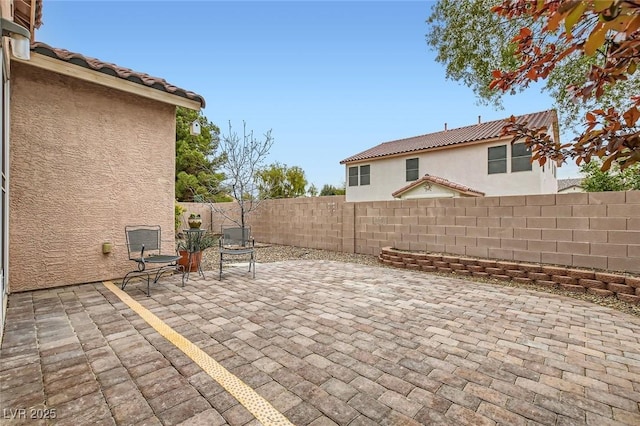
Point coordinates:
pixel 469 161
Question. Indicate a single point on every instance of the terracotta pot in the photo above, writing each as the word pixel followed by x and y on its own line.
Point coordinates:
pixel 194 223
pixel 196 258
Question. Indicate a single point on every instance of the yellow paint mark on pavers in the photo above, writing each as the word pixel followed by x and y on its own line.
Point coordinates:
pixel 254 403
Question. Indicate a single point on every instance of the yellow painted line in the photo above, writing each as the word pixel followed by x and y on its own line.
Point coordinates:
pixel 250 399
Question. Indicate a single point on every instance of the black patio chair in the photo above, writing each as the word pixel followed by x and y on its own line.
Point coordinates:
pixel 144 247
pixel 237 242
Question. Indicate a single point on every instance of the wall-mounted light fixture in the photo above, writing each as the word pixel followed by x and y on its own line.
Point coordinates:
pixel 20 45
pixel 107 247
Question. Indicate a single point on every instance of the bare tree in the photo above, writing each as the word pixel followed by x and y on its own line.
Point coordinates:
pixel 242 159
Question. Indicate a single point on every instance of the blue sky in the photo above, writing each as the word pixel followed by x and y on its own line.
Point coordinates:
pixel 330 78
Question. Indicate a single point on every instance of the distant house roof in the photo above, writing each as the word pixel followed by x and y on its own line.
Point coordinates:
pixel 461 135
pixel 568 183
pixel 115 70
pixel 438 181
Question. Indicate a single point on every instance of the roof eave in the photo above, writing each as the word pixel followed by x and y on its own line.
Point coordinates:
pixel 77 71
pixel 422 150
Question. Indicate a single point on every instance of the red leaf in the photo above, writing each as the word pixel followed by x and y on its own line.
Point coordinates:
pixel 631 116
pixel 525 32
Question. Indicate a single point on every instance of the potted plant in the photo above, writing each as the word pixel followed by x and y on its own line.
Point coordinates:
pixel 195 221
pixel 196 247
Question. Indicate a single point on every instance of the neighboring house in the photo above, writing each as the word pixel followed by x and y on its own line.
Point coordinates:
pixel 92 150
pixel 467 161
pixel 570 185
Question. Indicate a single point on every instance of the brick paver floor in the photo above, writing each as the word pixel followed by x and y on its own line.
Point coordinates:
pixel 325 343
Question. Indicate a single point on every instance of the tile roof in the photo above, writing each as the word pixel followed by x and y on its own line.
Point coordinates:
pixel 439 181
pixel 568 183
pixel 476 132
pixel 115 70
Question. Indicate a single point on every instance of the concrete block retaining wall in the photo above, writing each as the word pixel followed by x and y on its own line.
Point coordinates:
pixel 626 288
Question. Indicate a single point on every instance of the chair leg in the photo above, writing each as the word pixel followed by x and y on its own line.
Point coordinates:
pixel 200 271
pixel 126 279
pixel 220 276
pixel 188 267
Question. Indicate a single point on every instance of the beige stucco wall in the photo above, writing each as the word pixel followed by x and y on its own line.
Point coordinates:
pixel 86 160
pixel 466 165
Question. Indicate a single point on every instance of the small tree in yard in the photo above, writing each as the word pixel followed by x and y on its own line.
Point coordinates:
pixel 197 168
pixel 243 158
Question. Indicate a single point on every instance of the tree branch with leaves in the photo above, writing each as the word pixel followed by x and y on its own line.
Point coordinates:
pixel 608 30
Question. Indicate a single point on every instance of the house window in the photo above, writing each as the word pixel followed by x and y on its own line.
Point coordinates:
pixel 520 158
pixel 363 172
pixel 498 159
pixel 365 175
pixel 412 169
pixel 353 176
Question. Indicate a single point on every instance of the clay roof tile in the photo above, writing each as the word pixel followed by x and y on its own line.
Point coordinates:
pixel 115 70
pixel 461 135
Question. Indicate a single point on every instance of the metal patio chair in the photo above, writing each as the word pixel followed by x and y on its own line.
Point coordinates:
pixel 144 247
pixel 237 242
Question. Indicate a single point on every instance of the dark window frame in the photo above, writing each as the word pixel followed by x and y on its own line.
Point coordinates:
pixel 359 175
pixel 365 178
pixel 496 162
pixel 352 176
pixel 412 173
pixel 520 158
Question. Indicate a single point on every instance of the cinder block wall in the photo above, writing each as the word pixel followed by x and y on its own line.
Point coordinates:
pixel 592 230
pixel 315 222
pixel 85 161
